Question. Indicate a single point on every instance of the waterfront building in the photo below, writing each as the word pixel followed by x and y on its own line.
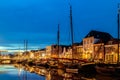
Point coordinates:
pixel 79 51
pixel 99 51
pixel 37 54
pixel 25 55
pixel 64 52
pixel 93 45
pixel 68 53
pixel 60 51
pixel 42 53
pixel 54 51
pixel 31 55
pixel 111 51
pixel 48 52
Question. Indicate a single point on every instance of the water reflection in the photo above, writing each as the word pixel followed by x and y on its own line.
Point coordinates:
pixel 60 74
pixel 54 74
pixel 9 72
pixel 19 72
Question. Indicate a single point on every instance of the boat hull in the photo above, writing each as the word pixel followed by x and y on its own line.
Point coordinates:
pixel 108 70
pixel 71 70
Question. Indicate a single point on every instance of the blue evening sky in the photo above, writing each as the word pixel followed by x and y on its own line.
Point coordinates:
pixel 37 20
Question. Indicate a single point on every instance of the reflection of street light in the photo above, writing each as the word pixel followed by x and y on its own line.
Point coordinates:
pixel 43 55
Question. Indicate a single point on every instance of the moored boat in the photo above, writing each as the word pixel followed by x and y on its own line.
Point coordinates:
pixel 71 70
pixel 108 69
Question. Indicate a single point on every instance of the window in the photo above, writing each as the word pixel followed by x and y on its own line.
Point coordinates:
pixel 88 41
pixel 91 41
pixel 96 48
pixel 84 42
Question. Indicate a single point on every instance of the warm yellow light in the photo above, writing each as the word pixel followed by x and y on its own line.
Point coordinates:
pixel 100 56
pixel 43 55
pixel 112 52
pixel 90 51
pixel 86 56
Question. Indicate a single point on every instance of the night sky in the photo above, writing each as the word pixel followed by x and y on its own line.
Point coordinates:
pixel 37 21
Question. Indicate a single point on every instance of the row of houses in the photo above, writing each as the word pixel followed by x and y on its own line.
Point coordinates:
pixel 96 45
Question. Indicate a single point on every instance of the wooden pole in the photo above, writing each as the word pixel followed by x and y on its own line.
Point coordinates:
pixel 118 31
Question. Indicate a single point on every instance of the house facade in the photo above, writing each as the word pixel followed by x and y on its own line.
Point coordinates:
pixel 93 46
pixel 111 51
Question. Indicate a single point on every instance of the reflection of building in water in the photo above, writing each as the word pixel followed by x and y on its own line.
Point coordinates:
pixel 51 74
pixel 48 76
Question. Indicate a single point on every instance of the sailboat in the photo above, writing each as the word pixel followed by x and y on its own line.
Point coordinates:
pixel 110 69
pixel 73 68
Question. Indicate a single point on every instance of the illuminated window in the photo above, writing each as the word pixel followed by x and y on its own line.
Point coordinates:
pixel 88 41
pixel 84 42
pixel 91 41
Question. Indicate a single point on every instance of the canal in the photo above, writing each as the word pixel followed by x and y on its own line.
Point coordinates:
pixel 10 72
pixel 19 72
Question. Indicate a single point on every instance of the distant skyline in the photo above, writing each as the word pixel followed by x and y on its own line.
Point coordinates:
pixel 37 21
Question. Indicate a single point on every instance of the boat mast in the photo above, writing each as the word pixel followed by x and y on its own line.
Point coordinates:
pixel 71 25
pixel 118 30
pixel 58 39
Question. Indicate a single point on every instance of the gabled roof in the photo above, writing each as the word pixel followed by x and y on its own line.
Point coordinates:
pixel 104 36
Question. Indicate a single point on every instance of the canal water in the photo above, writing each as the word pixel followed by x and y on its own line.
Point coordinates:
pixel 19 72
pixel 9 72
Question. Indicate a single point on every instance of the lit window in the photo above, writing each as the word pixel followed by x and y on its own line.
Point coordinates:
pixel 91 41
pixel 88 41
pixel 84 42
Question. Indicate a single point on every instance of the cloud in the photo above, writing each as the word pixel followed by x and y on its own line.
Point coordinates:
pixel 35 41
